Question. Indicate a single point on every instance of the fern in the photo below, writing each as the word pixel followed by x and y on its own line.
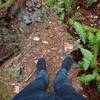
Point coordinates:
pixel 94 40
pixel 50 2
pixel 69 4
pixel 91 2
pixel 79 29
pixel 61 6
pixel 89 47
pixel 86 78
pixel 99 86
pixel 69 37
pixel 91 38
pixel 86 61
pixel 7 4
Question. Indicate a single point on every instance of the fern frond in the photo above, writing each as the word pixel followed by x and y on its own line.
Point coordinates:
pixel 79 29
pixel 7 4
pixel 86 61
pixel 98 37
pixel 69 4
pixel 94 41
pixel 90 29
pixel 86 78
pixel 90 2
pixel 51 2
pixel 91 38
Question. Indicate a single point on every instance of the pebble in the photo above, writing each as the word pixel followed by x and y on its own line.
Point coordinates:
pixel 49 22
pixel 36 38
pixel 17 89
pixel 45 42
pixel 95 17
pixel 68 46
pixel 35 61
pixel 78 7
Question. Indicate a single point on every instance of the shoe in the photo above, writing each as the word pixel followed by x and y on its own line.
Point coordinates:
pixel 67 63
pixel 41 65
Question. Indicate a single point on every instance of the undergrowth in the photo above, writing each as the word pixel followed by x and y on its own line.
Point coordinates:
pixel 91 2
pixel 4 95
pixel 61 6
pixel 7 4
pixel 89 46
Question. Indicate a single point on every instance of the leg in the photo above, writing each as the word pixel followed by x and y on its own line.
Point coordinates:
pixel 62 85
pixel 39 84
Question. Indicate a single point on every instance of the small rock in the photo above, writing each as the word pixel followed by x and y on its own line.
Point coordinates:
pixel 36 16
pixel 68 46
pixel 36 38
pixel 45 42
pixel 36 61
pixel 78 7
pixel 26 17
pixel 17 89
pixel 95 17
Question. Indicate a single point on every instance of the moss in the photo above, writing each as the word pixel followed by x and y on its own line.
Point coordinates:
pixel 4 94
pixel 7 4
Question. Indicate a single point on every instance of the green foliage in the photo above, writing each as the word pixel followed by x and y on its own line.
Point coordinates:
pixel 61 6
pixel 50 2
pixel 69 4
pixel 7 4
pixel 79 30
pixel 69 37
pixel 89 46
pixel 86 78
pixel 91 2
pixel 78 16
pixel 11 72
pixel 87 59
pixel 4 93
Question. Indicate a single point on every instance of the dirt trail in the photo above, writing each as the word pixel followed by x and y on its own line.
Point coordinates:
pixel 47 43
pixel 47 40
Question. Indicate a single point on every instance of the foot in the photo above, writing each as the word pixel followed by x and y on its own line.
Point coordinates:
pixel 67 63
pixel 41 65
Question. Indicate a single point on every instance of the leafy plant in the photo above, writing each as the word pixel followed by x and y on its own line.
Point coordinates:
pixel 61 6
pixel 70 38
pixel 7 4
pixel 91 2
pixel 4 93
pixel 87 59
pixel 50 2
pixel 87 78
pixel 89 46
